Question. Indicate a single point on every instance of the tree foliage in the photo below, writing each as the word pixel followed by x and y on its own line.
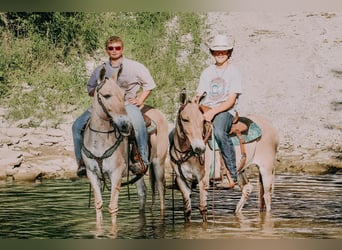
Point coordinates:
pixel 43 69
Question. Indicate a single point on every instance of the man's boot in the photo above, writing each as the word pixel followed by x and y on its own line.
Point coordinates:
pixel 227 181
pixel 81 170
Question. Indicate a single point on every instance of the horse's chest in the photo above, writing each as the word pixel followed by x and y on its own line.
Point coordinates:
pixel 193 167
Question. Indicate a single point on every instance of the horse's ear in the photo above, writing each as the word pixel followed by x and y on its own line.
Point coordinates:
pixel 102 73
pixel 201 97
pixel 119 71
pixel 182 96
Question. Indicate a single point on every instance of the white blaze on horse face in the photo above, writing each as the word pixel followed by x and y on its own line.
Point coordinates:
pixel 192 122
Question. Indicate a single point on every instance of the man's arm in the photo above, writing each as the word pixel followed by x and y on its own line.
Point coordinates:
pixel 141 98
pixel 229 103
pixel 92 83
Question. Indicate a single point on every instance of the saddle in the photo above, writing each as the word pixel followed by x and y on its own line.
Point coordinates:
pixel 240 125
pixel 243 130
pixel 135 154
pixel 150 124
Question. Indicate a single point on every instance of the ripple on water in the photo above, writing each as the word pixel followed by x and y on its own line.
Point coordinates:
pixel 304 206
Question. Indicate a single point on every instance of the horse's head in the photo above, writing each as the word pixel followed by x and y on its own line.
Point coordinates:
pixel 190 125
pixel 109 103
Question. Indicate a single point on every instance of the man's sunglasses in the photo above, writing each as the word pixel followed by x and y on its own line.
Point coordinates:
pixel 117 48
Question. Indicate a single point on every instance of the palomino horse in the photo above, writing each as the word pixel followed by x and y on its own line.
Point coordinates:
pixel 191 158
pixel 105 148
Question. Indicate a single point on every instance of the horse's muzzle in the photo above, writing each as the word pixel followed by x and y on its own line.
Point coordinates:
pixel 124 125
pixel 198 147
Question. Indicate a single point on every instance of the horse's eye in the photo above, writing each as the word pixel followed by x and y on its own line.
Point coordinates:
pixel 107 96
pixel 184 119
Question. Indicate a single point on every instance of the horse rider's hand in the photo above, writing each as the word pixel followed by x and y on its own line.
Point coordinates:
pixel 209 115
pixel 135 101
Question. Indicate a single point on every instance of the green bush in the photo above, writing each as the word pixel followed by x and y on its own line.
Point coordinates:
pixel 43 74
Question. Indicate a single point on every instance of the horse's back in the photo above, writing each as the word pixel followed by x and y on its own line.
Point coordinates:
pixel 266 147
pixel 269 132
pixel 159 139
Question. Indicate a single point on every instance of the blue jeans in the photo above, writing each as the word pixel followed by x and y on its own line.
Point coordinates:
pixel 137 120
pixel 140 130
pixel 77 133
pixel 222 124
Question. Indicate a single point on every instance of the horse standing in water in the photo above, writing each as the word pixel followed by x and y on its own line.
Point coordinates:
pixel 191 157
pixel 105 149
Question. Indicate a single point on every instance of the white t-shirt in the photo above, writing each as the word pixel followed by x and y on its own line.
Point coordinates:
pixel 218 84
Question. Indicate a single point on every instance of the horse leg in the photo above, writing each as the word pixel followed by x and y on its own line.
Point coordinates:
pixel 159 182
pixel 203 189
pixel 265 189
pixel 141 188
pixel 114 200
pixel 96 184
pixel 246 189
pixel 186 194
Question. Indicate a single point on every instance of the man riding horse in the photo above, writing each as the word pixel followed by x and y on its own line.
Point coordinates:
pixel 132 76
pixel 222 84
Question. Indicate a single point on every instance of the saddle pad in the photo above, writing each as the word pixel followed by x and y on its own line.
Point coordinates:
pixel 254 132
pixel 152 128
pixel 150 124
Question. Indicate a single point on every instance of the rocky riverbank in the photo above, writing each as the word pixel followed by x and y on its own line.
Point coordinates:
pixel 292 68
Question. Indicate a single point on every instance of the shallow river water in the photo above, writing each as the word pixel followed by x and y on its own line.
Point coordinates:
pixel 303 206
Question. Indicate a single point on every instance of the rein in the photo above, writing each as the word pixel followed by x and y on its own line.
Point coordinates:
pixel 103 132
pixel 106 154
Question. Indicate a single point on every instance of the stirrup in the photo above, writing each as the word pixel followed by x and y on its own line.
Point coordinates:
pixel 136 168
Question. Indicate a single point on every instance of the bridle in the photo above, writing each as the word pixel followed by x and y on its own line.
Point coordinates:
pixel 188 152
pixel 182 156
pixel 118 135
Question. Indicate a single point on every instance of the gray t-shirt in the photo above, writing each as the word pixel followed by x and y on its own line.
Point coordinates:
pixel 219 83
pixel 133 76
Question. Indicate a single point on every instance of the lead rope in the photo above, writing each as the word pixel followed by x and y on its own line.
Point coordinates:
pixel 128 190
pixel 213 167
pixel 89 196
pixel 173 195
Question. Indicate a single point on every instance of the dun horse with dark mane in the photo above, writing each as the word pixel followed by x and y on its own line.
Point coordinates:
pixel 192 158
pixel 106 149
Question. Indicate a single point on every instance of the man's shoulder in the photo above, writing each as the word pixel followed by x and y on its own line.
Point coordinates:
pixel 132 63
pixel 100 66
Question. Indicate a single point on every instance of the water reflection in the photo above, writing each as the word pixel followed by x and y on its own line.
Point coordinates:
pixel 303 207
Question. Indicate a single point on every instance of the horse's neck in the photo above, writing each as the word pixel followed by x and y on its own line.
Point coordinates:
pixel 99 123
pixel 180 140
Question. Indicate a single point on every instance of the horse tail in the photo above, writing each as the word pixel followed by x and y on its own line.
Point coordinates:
pixel 261 194
pixel 153 179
